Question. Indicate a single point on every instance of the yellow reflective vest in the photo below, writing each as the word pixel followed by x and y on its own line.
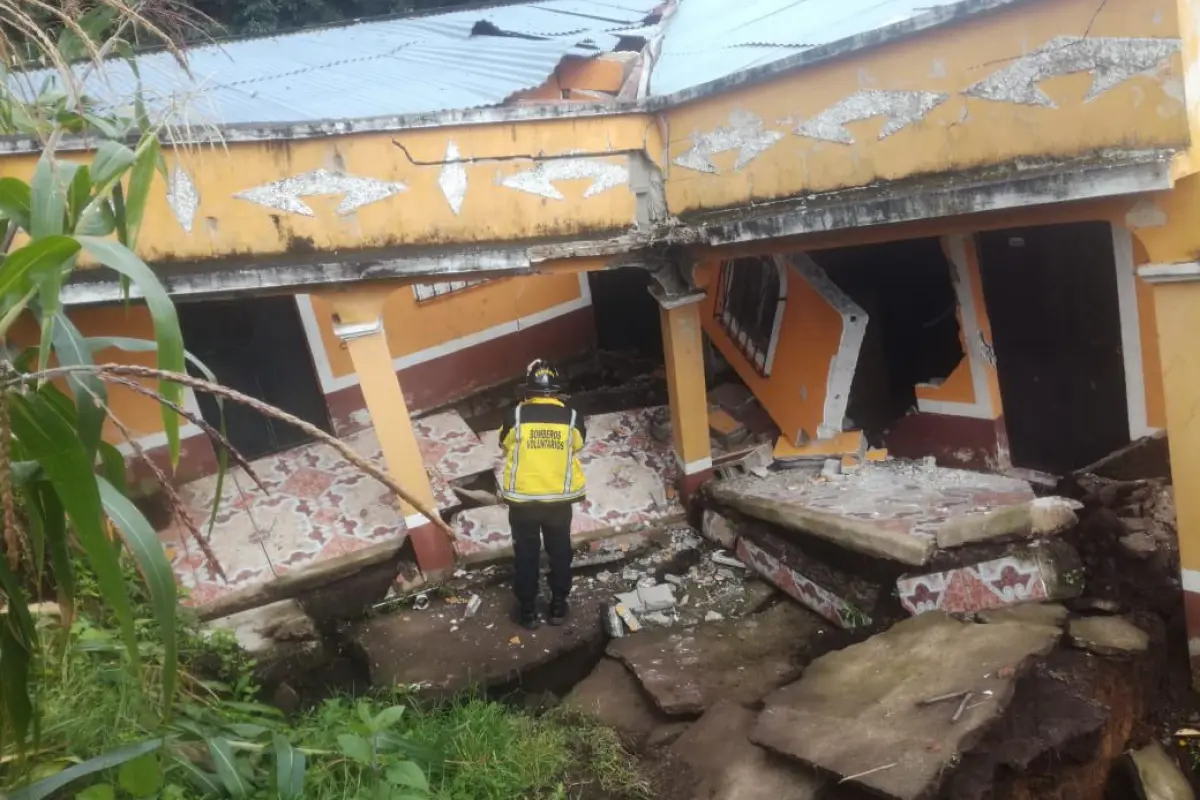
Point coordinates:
pixel 542 438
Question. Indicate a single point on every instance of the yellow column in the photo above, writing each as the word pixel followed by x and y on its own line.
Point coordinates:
pixel 683 350
pixel 358 321
pixel 1177 305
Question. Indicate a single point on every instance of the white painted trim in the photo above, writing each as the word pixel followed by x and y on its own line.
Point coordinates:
pixel 331 384
pixel 316 344
pixel 1170 273
pixel 415 521
pixel 1131 333
pixel 845 360
pixel 358 330
pixel 1190 579
pixel 780 310
pixel 693 467
pixel 960 276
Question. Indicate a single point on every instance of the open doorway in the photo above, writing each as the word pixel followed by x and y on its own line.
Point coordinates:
pixel 912 334
pixel 256 346
pixel 626 314
pixel 1051 295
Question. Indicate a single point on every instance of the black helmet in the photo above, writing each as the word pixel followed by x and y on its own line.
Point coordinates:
pixel 541 378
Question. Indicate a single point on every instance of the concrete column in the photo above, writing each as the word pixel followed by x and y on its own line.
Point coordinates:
pixel 1177 303
pixel 684 356
pixel 358 322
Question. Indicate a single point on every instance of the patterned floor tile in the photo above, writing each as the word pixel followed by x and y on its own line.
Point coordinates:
pixel 629 475
pixel 313 504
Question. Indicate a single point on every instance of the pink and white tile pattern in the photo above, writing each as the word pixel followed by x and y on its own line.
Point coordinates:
pixel 800 588
pixel 1030 576
pixel 317 505
pixel 630 476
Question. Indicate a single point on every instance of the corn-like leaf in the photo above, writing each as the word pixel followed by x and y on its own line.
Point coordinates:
pixel 112 466
pixel 222 755
pixel 48 436
pixel 17 638
pixel 79 194
pixel 26 267
pixel 91 396
pixel 147 550
pixel 289 769
pixel 206 782
pixel 140 180
pixel 132 345
pixel 47 200
pixel 51 522
pixel 117 257
pixel 14 201
pixel 111 162
pixel 114 758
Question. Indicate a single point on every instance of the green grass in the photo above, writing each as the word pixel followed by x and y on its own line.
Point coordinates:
pixel 470 748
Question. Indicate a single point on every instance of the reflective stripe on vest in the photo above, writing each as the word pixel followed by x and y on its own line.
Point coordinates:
pixel 516 453
pixel 570 470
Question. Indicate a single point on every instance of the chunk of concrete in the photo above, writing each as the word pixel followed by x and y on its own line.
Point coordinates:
pixel 898 511
pixel 1108 636
pixel 862 711
pixel 685 671
pixel 1159 775
pixel 1139 545
pixel 614 697
pixel 1052 570
pixel 659 597
pixel 436 651
pixel 1039 613
pixel 730 767
pixel 845 600
pixel 719 529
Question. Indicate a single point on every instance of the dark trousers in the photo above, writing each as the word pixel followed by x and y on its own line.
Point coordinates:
pixel 533 523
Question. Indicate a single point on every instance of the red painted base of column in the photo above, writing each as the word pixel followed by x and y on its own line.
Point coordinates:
pixel 432 547
pixel 689 485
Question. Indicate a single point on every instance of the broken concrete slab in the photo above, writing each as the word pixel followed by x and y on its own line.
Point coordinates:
pixel 730 767
pixel 614 697
pixel 863 711
pixel 1108 636
pixel 437 650
pixel 685 671
pixel 900 511
pixel 1049 570
pixel 648 599
pixel 1038 613
pixel 1159 775
pixel 719 529
pixel 845 600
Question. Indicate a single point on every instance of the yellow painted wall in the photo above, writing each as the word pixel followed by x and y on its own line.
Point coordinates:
pixel 227 226
pixel 963 132
pixel 794 393
pixel 139 413
pixel 412 326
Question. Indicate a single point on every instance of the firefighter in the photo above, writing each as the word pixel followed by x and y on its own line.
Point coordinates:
pixel 542 438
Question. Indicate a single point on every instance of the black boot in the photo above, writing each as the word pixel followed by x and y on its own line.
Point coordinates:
pixel 559 611
pixel 527 618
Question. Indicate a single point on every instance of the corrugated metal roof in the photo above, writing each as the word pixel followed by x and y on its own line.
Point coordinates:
pixel 373 69
pixel 706 40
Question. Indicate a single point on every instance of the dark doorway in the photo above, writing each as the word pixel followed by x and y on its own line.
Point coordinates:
pixel 912 332
pixel 1051 296
pixel 256 346
pixel 626 314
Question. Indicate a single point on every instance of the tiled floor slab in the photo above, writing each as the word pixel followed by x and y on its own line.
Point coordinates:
pixel 630 480
pixel 316 505
pixel 894 510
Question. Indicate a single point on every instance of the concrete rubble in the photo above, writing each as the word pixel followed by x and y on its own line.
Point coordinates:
pixel 718 749
pixel 888 729
pixel 1158 775
pixel 1108 636
pixel 685 671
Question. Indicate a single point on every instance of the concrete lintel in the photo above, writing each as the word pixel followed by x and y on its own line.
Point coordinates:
pixel 670 301
pixel 938 198
pixel 1184 272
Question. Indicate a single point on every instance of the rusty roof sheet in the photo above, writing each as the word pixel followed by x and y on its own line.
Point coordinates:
pixel 375 68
